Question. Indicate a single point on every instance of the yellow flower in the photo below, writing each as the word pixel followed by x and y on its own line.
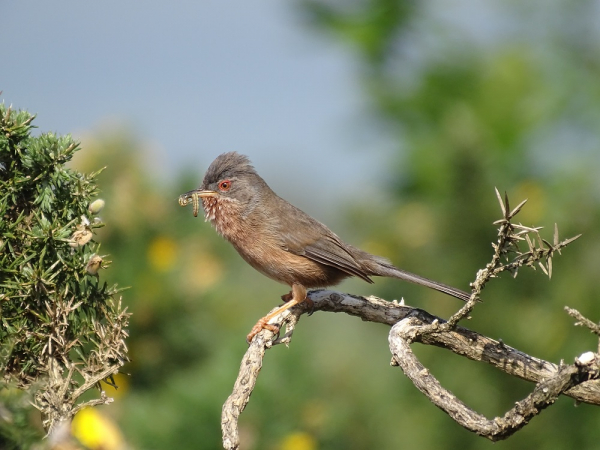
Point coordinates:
pixel 162 253
pixel 299 441
pixel 95 431
pixel 121 381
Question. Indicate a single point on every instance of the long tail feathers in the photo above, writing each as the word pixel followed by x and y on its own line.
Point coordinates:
pixel 391 271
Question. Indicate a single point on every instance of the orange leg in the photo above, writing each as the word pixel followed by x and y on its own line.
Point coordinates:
pixel 298 295
pixel 289 296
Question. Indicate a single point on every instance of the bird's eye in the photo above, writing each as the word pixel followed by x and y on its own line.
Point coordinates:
pixel 225 185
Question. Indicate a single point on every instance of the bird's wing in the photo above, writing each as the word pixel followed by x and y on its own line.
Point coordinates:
pixel 315 241
pixel 329 252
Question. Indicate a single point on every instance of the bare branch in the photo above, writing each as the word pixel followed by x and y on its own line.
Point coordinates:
pixel 544 394
pixel 461 341
pixel 583 321
pixel 242 389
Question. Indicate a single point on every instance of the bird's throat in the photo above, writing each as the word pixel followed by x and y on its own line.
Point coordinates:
pixel 225 216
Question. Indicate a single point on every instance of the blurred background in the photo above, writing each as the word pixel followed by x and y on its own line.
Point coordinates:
pixel 391 121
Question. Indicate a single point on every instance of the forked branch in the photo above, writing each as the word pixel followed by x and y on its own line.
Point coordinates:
pixel 578 380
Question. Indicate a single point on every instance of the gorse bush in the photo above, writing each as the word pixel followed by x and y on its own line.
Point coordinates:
pixel 62 328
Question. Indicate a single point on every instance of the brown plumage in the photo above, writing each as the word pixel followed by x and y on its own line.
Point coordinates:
pixel 281 241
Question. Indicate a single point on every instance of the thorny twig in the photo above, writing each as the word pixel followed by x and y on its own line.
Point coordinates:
pixel 539 252
pixel 59 402
pixel 585 322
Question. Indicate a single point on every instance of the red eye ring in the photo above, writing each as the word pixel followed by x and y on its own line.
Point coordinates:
pixel 224 185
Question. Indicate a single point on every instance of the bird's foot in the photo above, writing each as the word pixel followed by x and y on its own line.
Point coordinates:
pixel 310 305
pixel 298 295
pixel 262 325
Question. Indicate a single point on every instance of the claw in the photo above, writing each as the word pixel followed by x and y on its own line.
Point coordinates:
pixel 310 305
pixel 260 325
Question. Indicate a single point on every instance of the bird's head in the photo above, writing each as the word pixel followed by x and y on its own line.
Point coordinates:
pixel 231 190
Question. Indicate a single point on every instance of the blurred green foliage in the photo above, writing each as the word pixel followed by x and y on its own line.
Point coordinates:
pixel 520 113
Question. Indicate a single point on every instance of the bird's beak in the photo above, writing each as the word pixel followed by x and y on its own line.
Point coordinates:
pixel 193 198
pixel 201 193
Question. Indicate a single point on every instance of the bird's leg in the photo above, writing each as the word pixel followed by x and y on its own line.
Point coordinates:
pixel 311 305
pixel 296 296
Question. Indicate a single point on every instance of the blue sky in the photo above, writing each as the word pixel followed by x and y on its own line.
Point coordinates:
pixel 194 79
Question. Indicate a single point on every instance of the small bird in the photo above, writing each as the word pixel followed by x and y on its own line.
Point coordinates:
pixel 281 241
